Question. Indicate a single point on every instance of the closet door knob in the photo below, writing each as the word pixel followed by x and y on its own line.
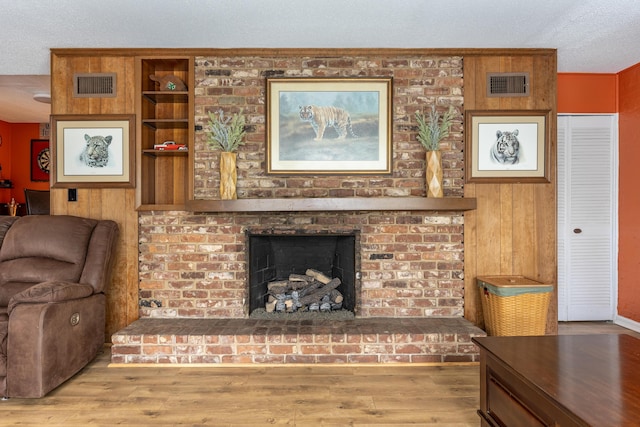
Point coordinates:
pixel 577 230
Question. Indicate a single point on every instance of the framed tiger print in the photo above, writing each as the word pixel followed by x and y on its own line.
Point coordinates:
pixel 507 146
pixel 329 126
pixel 92 151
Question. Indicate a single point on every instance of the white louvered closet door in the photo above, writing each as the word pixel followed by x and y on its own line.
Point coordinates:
pixel 587 217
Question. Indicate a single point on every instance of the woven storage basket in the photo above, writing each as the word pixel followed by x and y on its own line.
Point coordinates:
pixel 514 305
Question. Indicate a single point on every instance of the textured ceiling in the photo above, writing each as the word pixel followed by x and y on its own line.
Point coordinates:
pixel 591 36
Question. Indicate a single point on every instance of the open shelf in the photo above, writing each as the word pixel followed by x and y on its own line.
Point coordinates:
pixel 169 153
pixel 166 96
pixel 166 123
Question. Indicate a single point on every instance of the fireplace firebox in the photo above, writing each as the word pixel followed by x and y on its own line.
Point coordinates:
pixel 274 257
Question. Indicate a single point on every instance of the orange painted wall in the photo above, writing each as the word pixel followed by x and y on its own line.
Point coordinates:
pixel 587 93
pixel 616 93
pixel 15 157
pixel 629 198
pixel 5 149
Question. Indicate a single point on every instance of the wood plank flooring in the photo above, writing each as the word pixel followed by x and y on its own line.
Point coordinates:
pixel 384 395
pixel 243 396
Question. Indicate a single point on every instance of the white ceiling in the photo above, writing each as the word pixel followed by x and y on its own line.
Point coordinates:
pixel 591 36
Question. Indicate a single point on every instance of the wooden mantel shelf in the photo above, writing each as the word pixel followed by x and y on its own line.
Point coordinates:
pixel 334 204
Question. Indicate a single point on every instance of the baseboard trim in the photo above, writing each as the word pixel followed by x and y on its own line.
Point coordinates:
pixel 627 323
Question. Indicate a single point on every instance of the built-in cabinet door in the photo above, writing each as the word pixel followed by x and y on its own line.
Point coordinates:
pixel 587 217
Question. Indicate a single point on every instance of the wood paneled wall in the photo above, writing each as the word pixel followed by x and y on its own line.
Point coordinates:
pixel 103 203
pixel 513 230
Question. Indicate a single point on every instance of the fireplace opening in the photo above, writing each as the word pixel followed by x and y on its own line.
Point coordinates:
pixel 283 257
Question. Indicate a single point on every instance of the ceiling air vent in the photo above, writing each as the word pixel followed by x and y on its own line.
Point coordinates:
pixel 94 85
pixel 507 84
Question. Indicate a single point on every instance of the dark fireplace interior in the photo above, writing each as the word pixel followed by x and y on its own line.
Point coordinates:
pixel 277 256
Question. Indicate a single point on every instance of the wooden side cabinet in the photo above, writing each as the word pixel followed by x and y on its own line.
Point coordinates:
pixel 165 113
pixel 559 380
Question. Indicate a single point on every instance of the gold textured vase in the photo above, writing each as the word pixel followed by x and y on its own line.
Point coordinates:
pixel 434 174
pixel 228 176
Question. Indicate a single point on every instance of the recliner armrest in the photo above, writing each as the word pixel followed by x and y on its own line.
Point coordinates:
pixel 53 291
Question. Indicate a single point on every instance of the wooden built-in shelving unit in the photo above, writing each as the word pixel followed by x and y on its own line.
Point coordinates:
pixel 163 115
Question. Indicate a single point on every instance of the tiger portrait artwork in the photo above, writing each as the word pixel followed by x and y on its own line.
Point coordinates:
pixel 323 117
pixel 96 151
pixel 328 124
pixel 506 148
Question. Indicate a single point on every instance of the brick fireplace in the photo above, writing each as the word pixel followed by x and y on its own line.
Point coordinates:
pixel 193 295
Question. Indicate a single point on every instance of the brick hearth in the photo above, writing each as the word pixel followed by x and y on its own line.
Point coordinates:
pixel 371 340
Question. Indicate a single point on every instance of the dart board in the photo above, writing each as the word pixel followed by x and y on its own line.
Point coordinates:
pixel 40 160
pixel 43 160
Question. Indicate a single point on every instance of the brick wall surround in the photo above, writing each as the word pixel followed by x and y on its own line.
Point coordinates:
pixel 194 265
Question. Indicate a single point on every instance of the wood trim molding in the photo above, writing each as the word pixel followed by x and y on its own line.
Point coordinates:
pixel 334 204
pixel 284 52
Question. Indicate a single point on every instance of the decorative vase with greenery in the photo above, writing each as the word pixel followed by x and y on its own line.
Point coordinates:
pixel 226 134
pixel 431 130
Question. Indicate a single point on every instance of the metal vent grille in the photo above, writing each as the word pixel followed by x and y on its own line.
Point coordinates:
pixel 94 85
pixel 507 84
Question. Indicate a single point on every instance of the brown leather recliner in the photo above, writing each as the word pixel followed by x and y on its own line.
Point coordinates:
pixel 53 272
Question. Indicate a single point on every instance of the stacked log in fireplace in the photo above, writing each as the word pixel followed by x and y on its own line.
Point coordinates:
pixel 312 291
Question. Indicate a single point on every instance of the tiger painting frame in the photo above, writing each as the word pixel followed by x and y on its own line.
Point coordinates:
pixel 75 139
pixel 507 146
pixel 329 125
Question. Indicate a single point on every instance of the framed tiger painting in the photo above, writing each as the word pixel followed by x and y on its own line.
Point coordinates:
pixel 507 146
pixel 92 151
pixel 329 126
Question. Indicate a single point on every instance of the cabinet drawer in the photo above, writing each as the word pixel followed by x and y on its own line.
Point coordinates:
pixel 507 410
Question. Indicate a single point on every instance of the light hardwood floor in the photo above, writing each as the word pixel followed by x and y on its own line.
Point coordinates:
pixel 386 395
